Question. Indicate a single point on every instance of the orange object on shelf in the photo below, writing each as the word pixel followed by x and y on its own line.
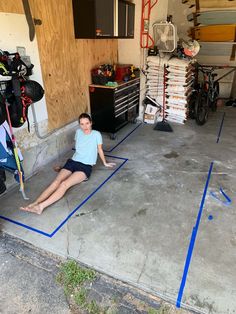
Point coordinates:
pixel 215 33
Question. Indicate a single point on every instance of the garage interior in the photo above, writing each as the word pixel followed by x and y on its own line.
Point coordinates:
pixel 163 218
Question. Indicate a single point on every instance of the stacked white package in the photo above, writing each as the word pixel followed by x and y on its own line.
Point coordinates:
pixel 155 73
pixel 178 88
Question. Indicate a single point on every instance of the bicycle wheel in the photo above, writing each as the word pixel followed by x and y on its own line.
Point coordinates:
pixel 201 110
pixel 216 92
pixel 192 105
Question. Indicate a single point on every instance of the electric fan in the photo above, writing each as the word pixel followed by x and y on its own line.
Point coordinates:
pixel 165 36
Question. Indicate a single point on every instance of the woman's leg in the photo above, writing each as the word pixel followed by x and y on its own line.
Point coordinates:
pixel 73 179
pixel 62 175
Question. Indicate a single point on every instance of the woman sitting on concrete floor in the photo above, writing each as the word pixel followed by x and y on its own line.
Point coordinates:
pixel 88 143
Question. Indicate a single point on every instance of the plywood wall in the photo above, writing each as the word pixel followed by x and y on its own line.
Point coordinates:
pixel 65 61
pixel 11 6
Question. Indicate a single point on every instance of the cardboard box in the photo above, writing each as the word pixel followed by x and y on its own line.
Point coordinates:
pixel 149 118
pixel 150 109
pixel 150 114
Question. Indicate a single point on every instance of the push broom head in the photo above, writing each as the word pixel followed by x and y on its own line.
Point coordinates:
pixel 163 126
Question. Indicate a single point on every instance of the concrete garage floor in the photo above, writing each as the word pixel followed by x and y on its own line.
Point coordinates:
pixel 135 222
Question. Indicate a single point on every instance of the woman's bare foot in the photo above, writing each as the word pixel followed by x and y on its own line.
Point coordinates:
pixel 32 204
pixel 37 209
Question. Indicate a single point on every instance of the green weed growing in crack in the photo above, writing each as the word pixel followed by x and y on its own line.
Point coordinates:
pixel 80 297
pixel 162 310
pixel 71 275
pixel 114 300
pixel 91 307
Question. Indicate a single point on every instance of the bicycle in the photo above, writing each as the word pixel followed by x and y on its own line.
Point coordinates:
pixel 205 94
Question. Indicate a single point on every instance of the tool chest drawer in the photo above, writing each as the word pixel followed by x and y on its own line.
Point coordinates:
pixel 114 107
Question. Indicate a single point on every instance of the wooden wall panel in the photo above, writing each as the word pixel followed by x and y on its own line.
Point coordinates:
pixel 11 6
pixel 66 62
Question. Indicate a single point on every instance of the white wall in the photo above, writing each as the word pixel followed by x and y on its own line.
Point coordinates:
pixel 129 50
pixel 14 32
pixel 179 13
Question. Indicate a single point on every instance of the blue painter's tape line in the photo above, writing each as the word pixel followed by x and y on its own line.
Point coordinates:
pixel 186 267
pixel 192 241
pixel 121 158
pixel 225 195
pixel 215 196
pixel 26 226
pixel 50 235
pixel 204 195
pixel 221 126
pixel 228 200
pixel 109 151
pixel 85 200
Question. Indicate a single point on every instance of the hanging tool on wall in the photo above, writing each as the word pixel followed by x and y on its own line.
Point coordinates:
pixel 30 20
pixel 146 41
pixel 16 155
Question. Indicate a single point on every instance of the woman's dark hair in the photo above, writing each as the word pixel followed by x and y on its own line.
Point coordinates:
pixel 85 116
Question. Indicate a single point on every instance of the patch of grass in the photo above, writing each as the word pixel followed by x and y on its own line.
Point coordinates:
pixel 80 297
pixel 115 300
pixel 152 311
pixel 111 310
pixel 72 275
pixel 162 310
pixel 93 308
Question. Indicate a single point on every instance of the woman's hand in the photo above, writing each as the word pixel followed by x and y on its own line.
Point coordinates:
pixel 101 154
pixel 109 164
pixel 57 168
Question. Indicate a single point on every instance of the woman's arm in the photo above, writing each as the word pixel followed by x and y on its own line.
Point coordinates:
pixel 102 156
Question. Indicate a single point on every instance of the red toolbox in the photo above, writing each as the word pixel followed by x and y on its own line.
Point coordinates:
pixel 121 71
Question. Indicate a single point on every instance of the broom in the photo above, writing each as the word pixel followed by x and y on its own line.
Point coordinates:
pixel 17 159
pixel 163 125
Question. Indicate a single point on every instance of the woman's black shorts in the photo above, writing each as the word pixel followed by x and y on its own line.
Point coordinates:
pixel 74 166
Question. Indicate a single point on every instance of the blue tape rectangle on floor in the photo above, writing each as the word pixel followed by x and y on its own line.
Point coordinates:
pixel 50 235
pixel 109 151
